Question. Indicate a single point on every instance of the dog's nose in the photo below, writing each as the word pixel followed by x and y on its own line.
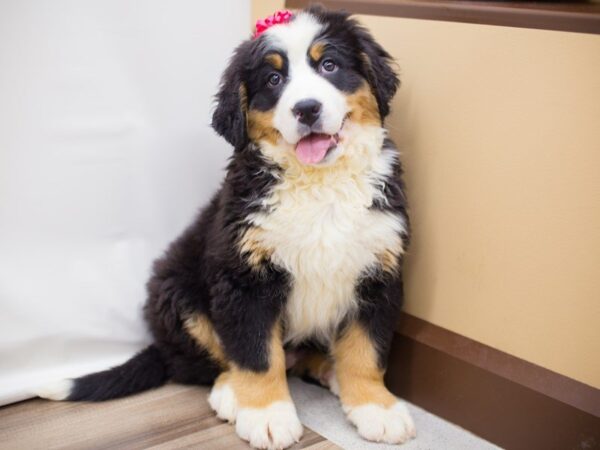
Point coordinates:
pixel 307 111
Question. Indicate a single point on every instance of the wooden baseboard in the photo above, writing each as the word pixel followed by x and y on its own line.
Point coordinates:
pixel 504 399
pixel 577 16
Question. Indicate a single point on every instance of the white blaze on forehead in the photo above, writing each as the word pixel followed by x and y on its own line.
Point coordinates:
pixel 295 37
pixel 303 82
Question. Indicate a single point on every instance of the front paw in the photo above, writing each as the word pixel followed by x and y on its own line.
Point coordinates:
pixel 392 425
pixel 223 401
pixel 274 427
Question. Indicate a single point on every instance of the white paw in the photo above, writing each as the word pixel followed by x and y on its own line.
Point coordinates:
pixel 222 400
pixel 274 427
pixel 391 425
pixel 57 390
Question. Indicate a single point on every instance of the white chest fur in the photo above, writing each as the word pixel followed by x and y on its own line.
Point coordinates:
pixel 321 230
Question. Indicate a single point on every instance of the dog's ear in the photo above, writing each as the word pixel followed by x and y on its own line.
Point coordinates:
pixel 379 70
pixel 229 117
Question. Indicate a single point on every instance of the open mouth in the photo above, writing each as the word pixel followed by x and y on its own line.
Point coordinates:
pixel 314 148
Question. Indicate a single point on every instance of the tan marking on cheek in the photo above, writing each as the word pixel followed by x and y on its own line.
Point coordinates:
pixel 260 389
pixel 363 107
pixel 316 51
pixel 252 247
pixel 359 377
pixel 260 126
pixel 275 60
pixel 201 330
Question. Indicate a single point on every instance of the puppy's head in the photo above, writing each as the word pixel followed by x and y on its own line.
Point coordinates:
pixel 299 87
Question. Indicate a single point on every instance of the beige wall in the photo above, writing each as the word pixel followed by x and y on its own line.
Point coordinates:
pixel 263 8
pixel 500 133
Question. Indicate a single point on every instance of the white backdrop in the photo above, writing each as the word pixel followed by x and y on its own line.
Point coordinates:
pixel 105 155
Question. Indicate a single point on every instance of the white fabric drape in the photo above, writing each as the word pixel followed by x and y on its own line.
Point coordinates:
pixel 105 155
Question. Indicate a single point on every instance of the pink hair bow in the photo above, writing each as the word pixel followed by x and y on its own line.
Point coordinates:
pixel 279 17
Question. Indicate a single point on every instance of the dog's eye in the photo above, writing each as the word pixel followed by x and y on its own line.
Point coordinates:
pixel 328 65
pixel 274 79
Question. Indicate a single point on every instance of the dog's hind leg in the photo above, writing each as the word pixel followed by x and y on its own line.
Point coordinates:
pixel 317 367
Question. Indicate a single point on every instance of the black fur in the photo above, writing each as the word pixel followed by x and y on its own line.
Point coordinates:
pixel 359 56
pixel 381 297
pixel 394 193
pixel 229 118
pixel 380 74
pixel 203 272
pixel 146 370
pixel 357 50
pixel 382 293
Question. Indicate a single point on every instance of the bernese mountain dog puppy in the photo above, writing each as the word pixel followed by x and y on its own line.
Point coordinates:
pixel 294 265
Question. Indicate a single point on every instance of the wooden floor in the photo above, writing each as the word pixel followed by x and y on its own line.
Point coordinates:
pixel 167 418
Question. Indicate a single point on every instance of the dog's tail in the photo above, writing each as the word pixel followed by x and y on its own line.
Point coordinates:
pixel 144 371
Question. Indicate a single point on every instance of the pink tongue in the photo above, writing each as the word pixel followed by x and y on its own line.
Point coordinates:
pixel 312 148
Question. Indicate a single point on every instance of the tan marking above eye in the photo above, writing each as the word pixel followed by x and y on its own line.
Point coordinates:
pixel 316 51
pixel 275 60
